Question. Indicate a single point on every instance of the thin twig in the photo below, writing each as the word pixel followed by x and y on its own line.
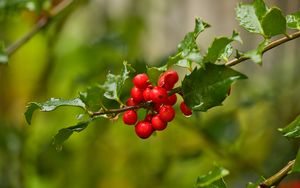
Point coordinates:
pixel 42 22
pixel 37 27
pixel 120 110
pixel 175 90
pixel 125 108
pixel 276 178
pixel 267 48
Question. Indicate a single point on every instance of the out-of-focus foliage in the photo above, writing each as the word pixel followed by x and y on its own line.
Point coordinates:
pixel 213 178
pixel 77 49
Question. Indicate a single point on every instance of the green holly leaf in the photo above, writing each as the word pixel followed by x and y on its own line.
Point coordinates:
pixel 207 86
pixel 293 20
pixel 200 26
pixel 154 73
pixel 92 97
pixel 250 15
pixel 114 83
pixel 51 105
pixel 296 166
pixel 256 54
pixel 273 23
pixel 292 130
pixel 260 8
pixel 213 179
pixel 219 48
pixel 189 43
pixel 188 50
pixel 3 55
pixel 226 53
pixel 65 133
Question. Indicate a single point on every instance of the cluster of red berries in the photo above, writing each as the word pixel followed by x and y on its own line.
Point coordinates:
pixel 161 109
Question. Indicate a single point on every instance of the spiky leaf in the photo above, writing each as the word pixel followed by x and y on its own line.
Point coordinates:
pixel 218 48
pixel 274 23
pixel 188 50
pixel 207 86
pixel 65 133
pixel 51 105
pixel 114 83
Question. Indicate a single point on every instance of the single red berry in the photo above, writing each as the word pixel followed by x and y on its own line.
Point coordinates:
pixel 166 113
pixel 159 95
pixel 131 102
pixel 162 83
pixel 185 109
pixel 158 123
pixel 148 117
pixel 146 94
pixel 143 129
pixel 171 100
pixel 171 77
pixel 168 79
pixel 130 117
pixel 141 81
pixel 137 94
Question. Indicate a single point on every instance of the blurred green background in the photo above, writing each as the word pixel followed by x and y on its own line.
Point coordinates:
pixel 92 37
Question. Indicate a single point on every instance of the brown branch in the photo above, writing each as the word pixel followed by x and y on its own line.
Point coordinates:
pixel 120 110
pixel 267 48
pixel 276 178
pixel 36 28
pixel 42 22
pixel 175 90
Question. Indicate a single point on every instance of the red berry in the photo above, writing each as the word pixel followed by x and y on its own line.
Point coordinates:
pixel 137 94
pixel 159 95
pixel 185 109
pixel 143 129
pixel 158 123
pixel 131 102
pixel 130 117
pixel 168 79
pixel 146 94
pixel 171 100
pixel 141 81
pixel 162 83
pixel 171 77
pixel 148 117
pixel 166 113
